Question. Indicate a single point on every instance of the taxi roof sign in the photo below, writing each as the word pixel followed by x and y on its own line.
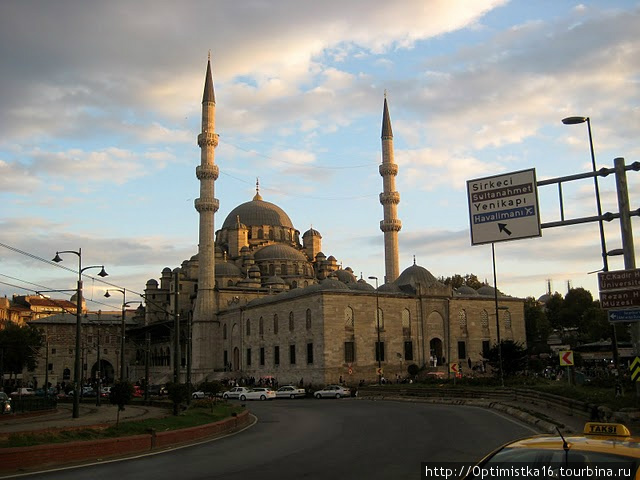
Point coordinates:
pixel 609 429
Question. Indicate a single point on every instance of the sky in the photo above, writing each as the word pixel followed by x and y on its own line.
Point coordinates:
pixel 100 108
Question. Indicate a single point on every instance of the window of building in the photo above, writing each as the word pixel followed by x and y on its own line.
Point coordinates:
pixel 261 326
pixel 50 367
pixel 379 351
pixel 379 322
pixel 248 327
pixel 66 374
pixel 308 319
pixel 292 354
pixel 224 332
pixel 53 351
pixel 291 321
pixel 408 350
pixel 462 319
pixel 261 355
pixel 275 324
pixel 225 359
pixel 486 346
pixel 309 352
pixel 462 351
pixel 248 356
pixel 349 352
pixel 484 319
pixel 507 319
pixel 348 318
pixel 276 355
pixel 71 351
pixel 406 323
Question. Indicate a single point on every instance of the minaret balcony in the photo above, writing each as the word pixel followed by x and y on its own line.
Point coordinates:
pixel 390 198
pixel 207 172
pixel 393 225
pixel 208 138
pixel 207 204
pixel 386 169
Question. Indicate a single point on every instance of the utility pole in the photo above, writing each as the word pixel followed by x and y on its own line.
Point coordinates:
pixel 176 331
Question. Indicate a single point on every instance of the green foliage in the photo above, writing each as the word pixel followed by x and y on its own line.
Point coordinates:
pixel 178 393
pixel 413 369
pixel 514 358
pixel 210 387
pixel 537 324
pixel 20 345
pixel 456 281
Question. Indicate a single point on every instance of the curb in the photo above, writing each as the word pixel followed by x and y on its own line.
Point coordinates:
pixel 21 459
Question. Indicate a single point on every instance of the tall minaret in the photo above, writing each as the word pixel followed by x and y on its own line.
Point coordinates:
pixel 207 206
pixel 389 199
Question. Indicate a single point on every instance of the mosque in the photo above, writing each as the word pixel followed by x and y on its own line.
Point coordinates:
pixel 260 300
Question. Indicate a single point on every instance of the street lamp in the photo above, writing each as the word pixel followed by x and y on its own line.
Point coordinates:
pixel 575 121
pixel 78 366
pixel 125 304
pixel 378 346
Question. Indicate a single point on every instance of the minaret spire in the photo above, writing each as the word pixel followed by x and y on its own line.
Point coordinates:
pixel 389 199
pixel 206 205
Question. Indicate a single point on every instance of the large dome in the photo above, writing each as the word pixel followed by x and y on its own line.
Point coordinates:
pixel 257 212
pixel 417 275
pixel 279 252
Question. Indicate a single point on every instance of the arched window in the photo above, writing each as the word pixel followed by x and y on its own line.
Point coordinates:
pixel 260 234
pixel 308 319
pixel 462 319
pixel 230 283
pixel 507 319
pixel 406 322
pixel 275 324
pixel 272 270
pixel 248 327
pixel 261 326
pixel 379 322
pixel 283 269
pixel 484 319
pixel 66 374
pixel 271 235
pixel 224 331
pixel 294 284
pixel 349 322
pixel 291 321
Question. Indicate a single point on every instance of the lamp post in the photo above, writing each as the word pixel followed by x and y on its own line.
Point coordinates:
pixel 78 366
pixel 125 304
pixel 378 346
pixel 603 245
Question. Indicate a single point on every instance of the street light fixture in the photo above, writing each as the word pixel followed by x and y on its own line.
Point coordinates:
pixel 378 346
pixel 78 366
pixel 125 304
pixel 603 245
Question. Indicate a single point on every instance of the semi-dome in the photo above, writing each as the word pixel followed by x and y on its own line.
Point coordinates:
pixel 227 269
pixel 345 276
pixel 466 290
pixel 416 275
pixel 257 212
pixel 279 251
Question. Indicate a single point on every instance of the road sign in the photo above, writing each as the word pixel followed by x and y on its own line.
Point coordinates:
pixel 454 368
pixel 631 315
pixel 635 369
pixel 350 371
pixel 379 371
pixel 504 207
pixel 566 358
pixel 619 279
pixel 620 298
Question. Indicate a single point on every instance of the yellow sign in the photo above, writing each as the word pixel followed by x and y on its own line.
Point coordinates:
pixel 635 369
pixel 454 368
pixel 378 371
pixel 566 358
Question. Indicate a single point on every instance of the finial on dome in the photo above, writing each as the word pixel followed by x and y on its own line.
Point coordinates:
pixel 385 90
pixel 257 196
pixel 209 58
pixel 414 259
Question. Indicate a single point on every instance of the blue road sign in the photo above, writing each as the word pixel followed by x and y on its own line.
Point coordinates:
pixel 631 315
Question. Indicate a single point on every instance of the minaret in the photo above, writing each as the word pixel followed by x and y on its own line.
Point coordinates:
pixel 389 199
pixel 207 206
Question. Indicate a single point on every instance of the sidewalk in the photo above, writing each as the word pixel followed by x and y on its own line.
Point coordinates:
pixel 105 414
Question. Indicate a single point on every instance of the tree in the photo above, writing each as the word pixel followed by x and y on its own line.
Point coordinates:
pixel 537 324
pixel 178 393
pixel 121 394
pixel 553 308
pixel 514 358
pixel 20 345
pixel 457 280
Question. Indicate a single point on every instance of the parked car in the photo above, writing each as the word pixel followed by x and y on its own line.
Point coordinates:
pixel 200 394
pixel 333 391
pixel 259 393
pixel 236 392
pixel 5 403
pixel 88 392
pixel 138 391
pixel 157 390
pixel 105 392
pixel 289 391
pixel 23 391
pixel 51 393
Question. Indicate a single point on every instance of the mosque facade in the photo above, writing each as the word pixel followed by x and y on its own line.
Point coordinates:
pixel 261 300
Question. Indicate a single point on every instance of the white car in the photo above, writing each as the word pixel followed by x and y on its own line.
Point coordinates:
pixel 24 391
pixel 333 391
pixel 258 393
pixel 289 391
pixel 236 392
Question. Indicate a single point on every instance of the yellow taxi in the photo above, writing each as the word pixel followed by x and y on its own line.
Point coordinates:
pixel 605 451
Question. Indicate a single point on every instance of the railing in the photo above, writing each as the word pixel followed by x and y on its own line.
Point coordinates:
pixel 30 403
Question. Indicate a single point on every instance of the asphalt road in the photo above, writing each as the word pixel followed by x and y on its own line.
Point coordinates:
pixel 320 439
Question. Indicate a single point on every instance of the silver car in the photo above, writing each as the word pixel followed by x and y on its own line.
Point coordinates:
pixel 333 391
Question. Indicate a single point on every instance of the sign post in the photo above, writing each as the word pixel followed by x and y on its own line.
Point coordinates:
pixel 504 207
